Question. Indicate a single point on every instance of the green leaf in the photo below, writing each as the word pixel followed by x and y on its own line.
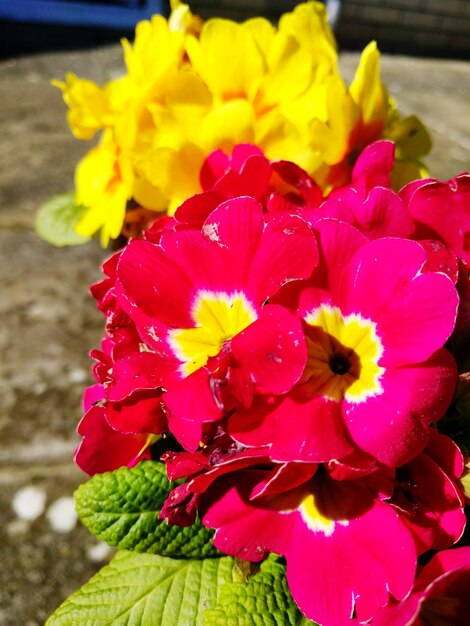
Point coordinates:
pixel 263 600
pixel 56 220
pixel 147 590
pixel 122 508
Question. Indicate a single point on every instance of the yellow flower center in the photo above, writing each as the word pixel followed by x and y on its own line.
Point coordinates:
pixel 343 355
pixel 317 520
pixel 218 317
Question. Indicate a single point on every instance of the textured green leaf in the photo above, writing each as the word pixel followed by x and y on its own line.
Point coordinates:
pixel 263 600
pixel 122 508
pixel 56 220
pixel 147 590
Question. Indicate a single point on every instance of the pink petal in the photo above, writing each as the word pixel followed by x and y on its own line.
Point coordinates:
pixel 92 395
pixel 446 454
pixel 144 414
pixel 242 153
pixel 103 449
pixel 415 313
pixel 355 568
pixel 298 429
pixel 394 426
pixel 443 562
pixel 300 180
pixel 284 478
pixel 435 511
pixel 140 370
pixel 272 349
pixel 443 212
pixel 440 259
pixel 191 400
pixel 373 166
pixel 287 252
pixel 234 231
pixel 213 168
pixel 338 243
pixel 445 580
pixel 151 282
pixel 253 177
pixel 196 209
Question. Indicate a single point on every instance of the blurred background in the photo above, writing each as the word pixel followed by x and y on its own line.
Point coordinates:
pixel 48 322
pixel 421 27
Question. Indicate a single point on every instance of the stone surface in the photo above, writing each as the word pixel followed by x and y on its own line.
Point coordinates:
pixel 49 323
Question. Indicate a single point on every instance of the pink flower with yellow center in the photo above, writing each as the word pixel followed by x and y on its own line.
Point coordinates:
pixel 376 375
pixel 329 521
pixel 330 532
pixel 198 299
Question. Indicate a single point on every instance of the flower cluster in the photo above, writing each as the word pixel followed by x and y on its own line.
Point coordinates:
pixel 289 354
pixel 187 94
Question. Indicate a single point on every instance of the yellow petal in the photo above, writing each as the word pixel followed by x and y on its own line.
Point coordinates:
pixel 89 106
pixel 156 48
pixel 308 23
pixel 262 32
pixel 227 58
pixel 227 125
pixel 366 88
pixel 290 73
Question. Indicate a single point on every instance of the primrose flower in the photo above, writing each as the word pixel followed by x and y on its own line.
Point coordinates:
pixel 330 518
pixel 375 323
pixel 327 526
pixel 199 298
pixel 339 524
pixel 186 94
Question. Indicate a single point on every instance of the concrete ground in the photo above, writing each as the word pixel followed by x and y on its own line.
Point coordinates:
pixel 49 323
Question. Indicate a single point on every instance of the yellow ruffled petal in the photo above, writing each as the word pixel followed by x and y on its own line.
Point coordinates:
pixel 149 196
pixel 366 89
pixel 181 19
pixel 103 181
pixel 227 125
pixel 289 73
pixel 262 32
pixel 156 49
pixel 227 58
pixel 89 106
pixel 308 23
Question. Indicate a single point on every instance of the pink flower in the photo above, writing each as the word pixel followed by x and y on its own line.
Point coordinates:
pixel 330 532
pixel 277 185
pixel 334 523
pixel 376 373
pixel 198 300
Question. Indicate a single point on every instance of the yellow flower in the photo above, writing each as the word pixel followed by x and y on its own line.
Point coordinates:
pixel 91 107
pixel 104 182
pixel 193 87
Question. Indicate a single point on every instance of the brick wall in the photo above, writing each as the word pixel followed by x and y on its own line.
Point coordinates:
pixel 429 27
pixel 242 9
